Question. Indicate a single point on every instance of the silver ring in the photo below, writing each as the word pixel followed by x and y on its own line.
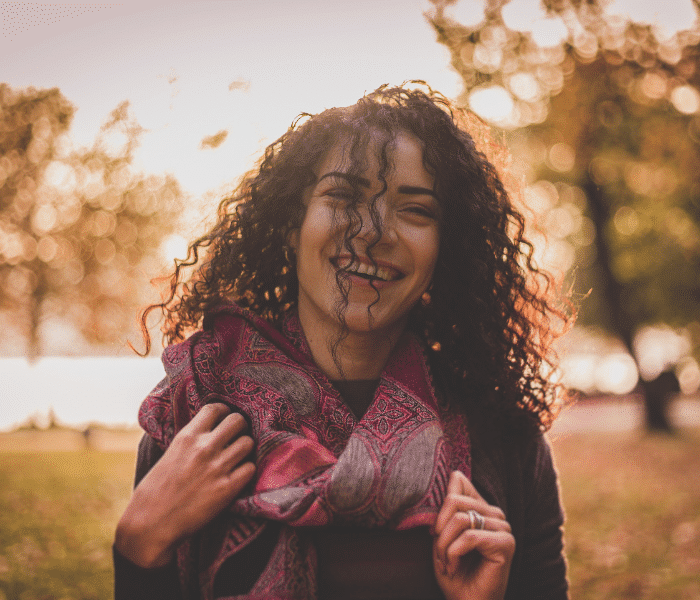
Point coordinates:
pixel 476 520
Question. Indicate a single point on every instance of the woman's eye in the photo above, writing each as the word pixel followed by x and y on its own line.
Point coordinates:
pixel 420 210
pixel 343 194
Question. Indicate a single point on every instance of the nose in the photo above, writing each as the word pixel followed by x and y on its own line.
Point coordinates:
pixel 377 224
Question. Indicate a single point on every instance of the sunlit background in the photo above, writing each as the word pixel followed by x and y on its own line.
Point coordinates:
pixel 209 84
pixel 122 124
pixel 161 106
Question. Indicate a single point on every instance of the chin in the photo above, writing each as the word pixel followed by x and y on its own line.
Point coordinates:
pixel 358 320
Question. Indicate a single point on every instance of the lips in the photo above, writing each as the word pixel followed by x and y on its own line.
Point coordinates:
pixel 363 267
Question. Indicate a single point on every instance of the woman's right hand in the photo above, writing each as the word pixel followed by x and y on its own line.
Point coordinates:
pixel 201 472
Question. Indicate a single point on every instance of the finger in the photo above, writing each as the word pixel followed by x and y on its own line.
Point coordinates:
pixel 450 532
pixel 240 477
pixel 230 427
pixel 234 454
pixel 459 484
pixel 447 536
pixel 462 521
pixel 223 491
pixel 458 524
pixel 465 504
pixel 491 524
pixel 458 503
pixel 207 418
pixel 497 547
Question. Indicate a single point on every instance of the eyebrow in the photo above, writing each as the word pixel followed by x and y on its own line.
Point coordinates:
pixel 356 179
pixel 402 189
pixel 416 191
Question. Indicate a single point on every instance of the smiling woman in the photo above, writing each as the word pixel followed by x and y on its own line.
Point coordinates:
pixel 371 283
pixel 355 398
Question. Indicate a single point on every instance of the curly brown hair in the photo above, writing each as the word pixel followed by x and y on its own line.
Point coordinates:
pixel 492 314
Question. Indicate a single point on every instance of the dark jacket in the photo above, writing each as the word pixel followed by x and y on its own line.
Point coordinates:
pixel 518 476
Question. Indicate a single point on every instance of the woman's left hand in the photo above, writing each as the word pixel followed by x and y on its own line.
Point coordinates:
pixel 471 562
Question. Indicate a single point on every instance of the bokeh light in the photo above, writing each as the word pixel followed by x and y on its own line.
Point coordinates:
pixel 659 348
pixel 616 374
pixel 174 247
pixel 493 103
pixel 686 99
pixel 688 373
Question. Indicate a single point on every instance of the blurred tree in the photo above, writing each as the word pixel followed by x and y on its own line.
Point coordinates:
pixel 79 229
pixel 33 122
pixel 603 116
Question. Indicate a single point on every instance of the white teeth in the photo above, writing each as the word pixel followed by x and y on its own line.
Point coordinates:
pixel 383 273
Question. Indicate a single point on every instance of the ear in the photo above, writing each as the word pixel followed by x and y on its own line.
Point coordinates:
pixel 293 239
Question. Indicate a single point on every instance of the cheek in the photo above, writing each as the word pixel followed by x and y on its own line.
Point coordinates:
pixel 313 241
pixel 306 238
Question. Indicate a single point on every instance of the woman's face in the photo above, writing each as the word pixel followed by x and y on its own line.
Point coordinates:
pixel 404 256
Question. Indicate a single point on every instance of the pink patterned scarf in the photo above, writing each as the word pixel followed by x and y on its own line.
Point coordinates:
pixel 317 464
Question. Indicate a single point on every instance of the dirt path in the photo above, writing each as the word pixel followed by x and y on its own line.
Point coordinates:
pixel 622 414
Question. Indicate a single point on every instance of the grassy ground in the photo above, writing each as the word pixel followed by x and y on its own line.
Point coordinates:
pixel 633 514
pixel 633 507
pixel 57 516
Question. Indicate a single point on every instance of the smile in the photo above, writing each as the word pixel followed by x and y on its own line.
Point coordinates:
pixel 368 271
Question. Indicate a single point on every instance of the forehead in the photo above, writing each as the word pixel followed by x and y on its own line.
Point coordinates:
pixel 404 153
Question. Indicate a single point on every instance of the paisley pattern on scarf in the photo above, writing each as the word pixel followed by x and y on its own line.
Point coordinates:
pixel 316 464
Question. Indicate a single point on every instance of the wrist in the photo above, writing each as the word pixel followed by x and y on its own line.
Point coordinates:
pixel 143 545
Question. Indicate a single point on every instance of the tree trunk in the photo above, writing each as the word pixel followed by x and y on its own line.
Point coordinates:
pixel 34 318
pixel 656 393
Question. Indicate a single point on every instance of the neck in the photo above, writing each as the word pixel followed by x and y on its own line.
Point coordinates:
pixel 361 355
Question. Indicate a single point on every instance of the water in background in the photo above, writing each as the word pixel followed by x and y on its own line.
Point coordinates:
pixel 77 390
pixel 109 391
